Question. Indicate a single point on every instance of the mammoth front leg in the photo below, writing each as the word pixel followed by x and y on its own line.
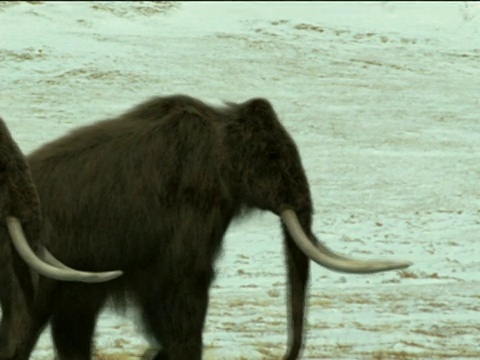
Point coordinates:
pixel 15 314
pixel 31 323
pixel 8 299
pixel 176 317
pixel 74 319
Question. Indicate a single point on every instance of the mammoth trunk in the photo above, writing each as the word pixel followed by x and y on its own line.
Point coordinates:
pixel 301 246
pixel 298 266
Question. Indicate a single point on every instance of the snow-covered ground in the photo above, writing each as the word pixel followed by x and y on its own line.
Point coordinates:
pixel 383 100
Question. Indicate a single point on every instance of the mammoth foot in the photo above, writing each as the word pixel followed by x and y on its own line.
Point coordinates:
pixel 7 347
pixel 161 355
pixel 154 354
pixel 6 351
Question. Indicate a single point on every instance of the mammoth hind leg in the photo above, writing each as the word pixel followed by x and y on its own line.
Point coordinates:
pixel 73 322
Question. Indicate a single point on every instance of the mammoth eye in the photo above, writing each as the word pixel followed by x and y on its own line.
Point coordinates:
pixel 273 155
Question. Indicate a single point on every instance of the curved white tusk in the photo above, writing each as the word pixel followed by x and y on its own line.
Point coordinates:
pixel 47 270
pixel 327 258
pixel 52 260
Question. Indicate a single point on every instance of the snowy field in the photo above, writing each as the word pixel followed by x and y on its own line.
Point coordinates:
pixel 383 100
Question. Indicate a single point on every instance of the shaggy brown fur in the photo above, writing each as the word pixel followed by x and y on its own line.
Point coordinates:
pixel 18 197
pixel 152 193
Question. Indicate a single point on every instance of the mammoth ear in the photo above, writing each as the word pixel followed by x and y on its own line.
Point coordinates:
pixel 259 111
pixel 260 106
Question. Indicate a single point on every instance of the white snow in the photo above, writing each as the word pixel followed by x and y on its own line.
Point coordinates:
pixel 383 100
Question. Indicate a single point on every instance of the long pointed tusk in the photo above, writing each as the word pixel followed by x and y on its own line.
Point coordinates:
pixel 327 258
pixel 47 270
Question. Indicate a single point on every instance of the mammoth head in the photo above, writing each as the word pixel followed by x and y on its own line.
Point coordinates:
pixel 19 203
pixel 266 161
pixel 269 175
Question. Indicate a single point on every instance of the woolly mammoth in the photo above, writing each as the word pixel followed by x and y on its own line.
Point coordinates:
pixel 152 193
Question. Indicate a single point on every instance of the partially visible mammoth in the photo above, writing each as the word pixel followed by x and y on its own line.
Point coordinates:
pixel 19 204
pixel 152 193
